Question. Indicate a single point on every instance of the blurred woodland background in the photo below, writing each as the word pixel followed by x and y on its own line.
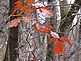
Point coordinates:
pixel 16 43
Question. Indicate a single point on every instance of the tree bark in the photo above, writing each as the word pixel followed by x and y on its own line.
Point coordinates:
pixel 11 52
pixel 69 18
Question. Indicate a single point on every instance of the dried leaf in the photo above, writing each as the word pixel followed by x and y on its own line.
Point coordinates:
pixel 14 22
pixel 28 18
pixel 16 15
pixel 54 34
pixel 66 40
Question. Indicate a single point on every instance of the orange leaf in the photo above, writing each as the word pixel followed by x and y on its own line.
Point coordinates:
pixel 59 51
pixel 28 9
pixel 35 27
pixel 41 28
pixel 53 39
pixel 14 22
pixel 16 15
pixel 29 1
pixel 66 40
pixel 59 48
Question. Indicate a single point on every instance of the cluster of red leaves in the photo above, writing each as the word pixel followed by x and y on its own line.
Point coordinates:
pixel 28 10
pixel 59 47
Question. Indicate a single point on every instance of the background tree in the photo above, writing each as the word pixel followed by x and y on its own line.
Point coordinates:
pixel 25 43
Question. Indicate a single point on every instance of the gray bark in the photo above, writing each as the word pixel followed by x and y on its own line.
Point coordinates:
pixel 3 27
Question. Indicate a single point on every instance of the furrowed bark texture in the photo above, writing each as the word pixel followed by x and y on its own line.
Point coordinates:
pixel 69 18
pixel 12 44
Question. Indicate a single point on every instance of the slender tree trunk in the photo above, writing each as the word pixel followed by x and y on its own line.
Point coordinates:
pixel 11 52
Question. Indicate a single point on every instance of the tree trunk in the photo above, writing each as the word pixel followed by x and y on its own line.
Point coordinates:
pixel 11 52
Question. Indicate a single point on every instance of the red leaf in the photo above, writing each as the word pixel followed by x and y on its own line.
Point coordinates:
pixel 66 40
pixel 59 48
pixel 53 39
pixel 49 27
pixel 59 51
pixel 46 31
